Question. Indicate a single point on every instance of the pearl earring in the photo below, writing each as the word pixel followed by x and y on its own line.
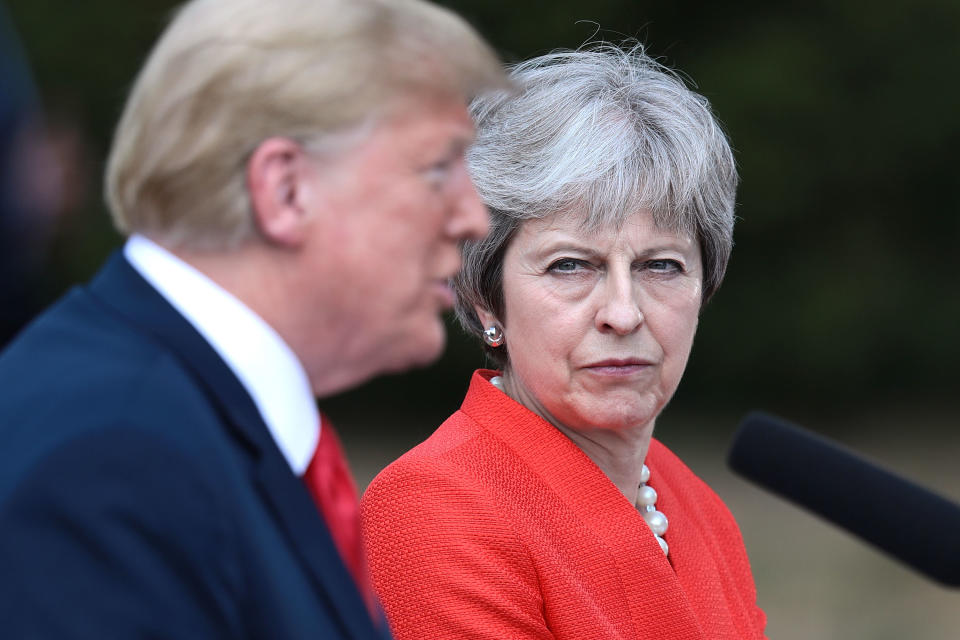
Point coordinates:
pixel 493 336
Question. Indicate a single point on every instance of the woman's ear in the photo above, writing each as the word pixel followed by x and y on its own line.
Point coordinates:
pixel 275 182
pixel 487 319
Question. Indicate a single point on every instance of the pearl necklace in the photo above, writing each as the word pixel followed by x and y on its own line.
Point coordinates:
pixel 646 497
pixel 646 505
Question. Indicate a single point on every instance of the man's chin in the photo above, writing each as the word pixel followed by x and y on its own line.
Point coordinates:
pixel 429 351
pixel 402 354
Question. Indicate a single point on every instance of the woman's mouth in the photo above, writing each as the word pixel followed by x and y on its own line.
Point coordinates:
pixel 619 367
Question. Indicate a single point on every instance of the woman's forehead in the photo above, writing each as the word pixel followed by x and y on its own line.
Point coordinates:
pixel 586 227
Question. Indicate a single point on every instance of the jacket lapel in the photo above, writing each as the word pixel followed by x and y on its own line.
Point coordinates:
pixel 120 287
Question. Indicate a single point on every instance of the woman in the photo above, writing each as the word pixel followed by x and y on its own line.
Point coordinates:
pixel 544 508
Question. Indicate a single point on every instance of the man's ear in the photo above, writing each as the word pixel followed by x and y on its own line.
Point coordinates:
pixel 275 182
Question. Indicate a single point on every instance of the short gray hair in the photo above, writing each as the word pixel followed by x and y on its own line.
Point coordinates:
pixel 228 74
pixel 605 131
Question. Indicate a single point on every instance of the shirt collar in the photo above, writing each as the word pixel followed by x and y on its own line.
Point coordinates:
pixel 254 351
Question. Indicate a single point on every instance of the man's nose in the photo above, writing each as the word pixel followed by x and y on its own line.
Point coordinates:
pixel 470 218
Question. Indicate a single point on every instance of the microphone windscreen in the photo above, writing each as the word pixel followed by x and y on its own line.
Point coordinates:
pixel 915 525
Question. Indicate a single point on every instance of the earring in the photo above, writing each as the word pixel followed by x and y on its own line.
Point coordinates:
pixel 493 336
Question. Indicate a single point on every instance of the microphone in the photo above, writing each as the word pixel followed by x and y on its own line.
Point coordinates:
pixel 907 521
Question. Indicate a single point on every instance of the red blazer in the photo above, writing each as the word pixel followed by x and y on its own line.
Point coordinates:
pixel 499 527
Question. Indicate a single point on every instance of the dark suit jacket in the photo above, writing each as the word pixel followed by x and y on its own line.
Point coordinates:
pixel 141 494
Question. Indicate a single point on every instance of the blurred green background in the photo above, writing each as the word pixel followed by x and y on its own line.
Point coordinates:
pixel 840 305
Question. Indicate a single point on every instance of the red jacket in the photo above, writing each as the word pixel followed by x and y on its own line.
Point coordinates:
pixel 499 527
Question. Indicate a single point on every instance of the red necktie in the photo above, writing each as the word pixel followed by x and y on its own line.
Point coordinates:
pixel 330 483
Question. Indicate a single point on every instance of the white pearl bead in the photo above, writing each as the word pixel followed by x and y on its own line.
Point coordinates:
pixel 646 496
pixel 664 545
pixel 657 521
pixel 497 381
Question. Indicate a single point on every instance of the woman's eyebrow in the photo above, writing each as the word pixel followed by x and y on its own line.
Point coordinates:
pixel 567 246
pixel 675 247
pixel 561 247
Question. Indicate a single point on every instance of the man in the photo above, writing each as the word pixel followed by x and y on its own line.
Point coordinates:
pixel 291 177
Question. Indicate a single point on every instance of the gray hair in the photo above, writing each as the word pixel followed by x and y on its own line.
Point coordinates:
pixel 604 131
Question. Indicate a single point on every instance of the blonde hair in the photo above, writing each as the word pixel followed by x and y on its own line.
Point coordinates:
pixel 227 74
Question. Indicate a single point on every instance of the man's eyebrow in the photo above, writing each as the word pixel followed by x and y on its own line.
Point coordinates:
pixel 459 145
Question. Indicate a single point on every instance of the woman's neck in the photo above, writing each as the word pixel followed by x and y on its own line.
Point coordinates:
pixel 619 454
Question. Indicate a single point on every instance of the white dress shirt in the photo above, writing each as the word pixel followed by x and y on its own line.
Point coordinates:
pixel 254 351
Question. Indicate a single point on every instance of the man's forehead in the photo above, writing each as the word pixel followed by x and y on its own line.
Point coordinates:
pixel 437 124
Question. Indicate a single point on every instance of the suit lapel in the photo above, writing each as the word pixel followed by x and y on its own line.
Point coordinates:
pixel 297 512
pixel 121 288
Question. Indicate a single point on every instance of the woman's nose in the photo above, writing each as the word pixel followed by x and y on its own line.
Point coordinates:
pixel 619 308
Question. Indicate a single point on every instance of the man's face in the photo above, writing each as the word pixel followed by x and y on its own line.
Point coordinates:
pixel 391 212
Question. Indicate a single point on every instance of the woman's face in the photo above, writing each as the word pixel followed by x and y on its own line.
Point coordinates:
pixel 598 324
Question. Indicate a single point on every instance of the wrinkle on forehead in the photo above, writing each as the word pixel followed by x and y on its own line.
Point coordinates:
pixel 583 225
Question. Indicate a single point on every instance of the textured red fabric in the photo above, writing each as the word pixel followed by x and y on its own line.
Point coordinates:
pixel 331 484
pixel 499 527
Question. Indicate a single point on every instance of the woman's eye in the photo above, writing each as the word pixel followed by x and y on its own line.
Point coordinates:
pixel 664 266
pixel 565 265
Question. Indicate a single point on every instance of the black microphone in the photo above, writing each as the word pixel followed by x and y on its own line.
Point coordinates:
pixel 856 494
